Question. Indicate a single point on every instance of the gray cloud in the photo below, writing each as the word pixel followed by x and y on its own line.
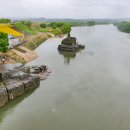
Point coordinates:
pixel 65 8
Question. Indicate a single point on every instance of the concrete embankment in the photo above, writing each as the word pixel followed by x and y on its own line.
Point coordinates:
pixel 15 81
pixel 13 88
pixel 26 54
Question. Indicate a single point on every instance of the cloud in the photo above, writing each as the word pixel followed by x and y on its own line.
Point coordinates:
pixel 65 8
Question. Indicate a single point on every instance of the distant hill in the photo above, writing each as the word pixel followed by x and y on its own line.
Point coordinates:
pixel 72 20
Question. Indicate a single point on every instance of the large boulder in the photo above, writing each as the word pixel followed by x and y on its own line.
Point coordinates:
pixel 34 69
pixel 69 41
pixel 69 44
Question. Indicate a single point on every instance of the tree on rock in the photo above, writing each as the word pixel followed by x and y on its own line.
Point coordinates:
pixel 4 42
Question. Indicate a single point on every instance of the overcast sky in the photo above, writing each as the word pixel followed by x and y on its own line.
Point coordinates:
pixel 65 8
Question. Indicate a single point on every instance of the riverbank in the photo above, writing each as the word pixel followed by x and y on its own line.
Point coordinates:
pixel 32 35
pixel 33 41
pixel 25 52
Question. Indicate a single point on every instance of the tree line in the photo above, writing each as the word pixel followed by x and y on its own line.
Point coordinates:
pixel 123 26
pixel 58 27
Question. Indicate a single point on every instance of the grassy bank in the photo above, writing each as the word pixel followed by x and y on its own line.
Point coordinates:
pixel 34 41
pixel 123 26
pixel 11 57
pixel 36 33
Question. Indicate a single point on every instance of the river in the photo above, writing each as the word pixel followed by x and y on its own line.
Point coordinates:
pixel 89 90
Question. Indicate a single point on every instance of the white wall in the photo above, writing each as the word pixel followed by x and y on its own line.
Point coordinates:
pixel 13 42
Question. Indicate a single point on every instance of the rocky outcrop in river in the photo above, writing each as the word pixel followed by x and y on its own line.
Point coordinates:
pixel 17 79
pixel 70 44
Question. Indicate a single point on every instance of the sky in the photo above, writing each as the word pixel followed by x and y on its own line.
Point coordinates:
pixel 83 9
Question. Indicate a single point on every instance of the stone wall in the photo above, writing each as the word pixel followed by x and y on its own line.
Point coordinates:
pixel 15 88
pixel 3 95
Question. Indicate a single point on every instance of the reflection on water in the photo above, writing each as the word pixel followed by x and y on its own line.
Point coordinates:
pixel 68 56
pixel 8 108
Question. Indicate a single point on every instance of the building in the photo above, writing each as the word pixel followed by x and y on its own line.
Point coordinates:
pixel 14 36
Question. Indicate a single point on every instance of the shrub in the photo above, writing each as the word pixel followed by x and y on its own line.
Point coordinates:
pixel 4 42
pixel 57 31
pixel 23 27
pixel 4 20
pixel 59 24
pixel 53 25
pixel 66 28
pixel 43 25
pixel 27 23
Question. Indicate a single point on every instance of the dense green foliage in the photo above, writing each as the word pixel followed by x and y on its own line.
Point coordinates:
pixel 56 24
pixel 5 20
pixel 4 42
pixel 74 24
pixel 57 31
pixel 123 26
pixel 86 23
pixel 60 27
pixel 91 23
pixel 43 25
pixel 66 28
pixel 23 27
pixel 56 28
pixel 26 23
pixel 53 25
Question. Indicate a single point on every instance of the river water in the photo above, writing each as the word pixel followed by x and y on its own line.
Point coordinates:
pixel 89 90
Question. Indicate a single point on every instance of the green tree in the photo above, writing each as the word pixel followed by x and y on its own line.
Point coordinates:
pixel 53 25
pixel 59 24
pixel 124 26
pixel 57 31
pixel 26 23
pixel 91 23
pixel 23 22
pixel 43 25
pixel 5 20
pixel 4 42
pixel 66 28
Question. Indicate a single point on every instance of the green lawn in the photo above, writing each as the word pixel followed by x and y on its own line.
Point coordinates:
pixel 23 27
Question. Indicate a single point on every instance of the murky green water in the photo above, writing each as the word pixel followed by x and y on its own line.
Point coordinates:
pixel 89 90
